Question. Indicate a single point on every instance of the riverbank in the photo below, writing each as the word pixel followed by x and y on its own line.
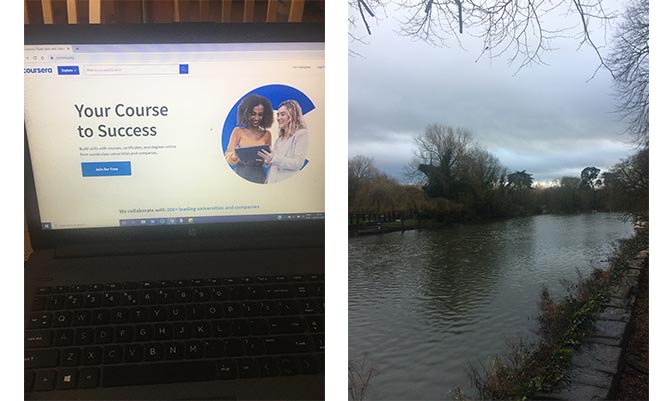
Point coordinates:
pixel 594 342
pixel 634 372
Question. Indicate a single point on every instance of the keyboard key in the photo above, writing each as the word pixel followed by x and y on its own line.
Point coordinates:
pixel 286 325
pixel 43 290
pixel 88 378
pixel 101 316
pixel 45 380
pixel 268 367
pixel 288 365
pixel 112 354
pixel 104 335
pixel 74 301
pixel 226 369
pixel 124 334
pixel 254 346
pixel 62 319
pixel 119 316
pixel 214 348
pixel 39 303
pixel 66 379
pixel 84 336
pixel 201 329
pixel 38 339
pixel 111 298
pixel 247 368
pixel 82 318
pixel 94 300
pixel 95 287
pixel 156 373
pixel 308 364
pixel 46 358
pixel 163 332
pixel 71 357
pixel 133 353
pixel 157 314
pixel 233 347
pixel 64 338
pixel 153 352
pixel 91 356
pixel 39 320
pixel 316 324
pixel 194 349
pixel 143 332
pixel 174 351
pixel 182 330
pixel 138 315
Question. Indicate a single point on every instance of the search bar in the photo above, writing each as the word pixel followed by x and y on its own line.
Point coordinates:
pixel 136 69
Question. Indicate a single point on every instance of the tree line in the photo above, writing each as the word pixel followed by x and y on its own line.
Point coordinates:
pixel 458 180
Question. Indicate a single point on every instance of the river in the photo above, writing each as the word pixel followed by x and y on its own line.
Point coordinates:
pixel 424 305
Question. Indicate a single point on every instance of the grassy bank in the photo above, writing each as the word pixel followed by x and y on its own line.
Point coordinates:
pixel 529 369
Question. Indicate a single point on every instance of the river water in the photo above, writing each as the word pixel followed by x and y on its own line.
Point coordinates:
pixel 424 305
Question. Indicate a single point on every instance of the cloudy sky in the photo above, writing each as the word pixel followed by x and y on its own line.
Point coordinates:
pixel 546 119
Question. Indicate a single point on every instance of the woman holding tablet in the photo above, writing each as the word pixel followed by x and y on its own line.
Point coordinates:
pixel 254 116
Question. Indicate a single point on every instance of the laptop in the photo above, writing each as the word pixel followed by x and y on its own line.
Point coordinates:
pixel 158 271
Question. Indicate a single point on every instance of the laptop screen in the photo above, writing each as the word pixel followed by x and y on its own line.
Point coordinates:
pixel 180 132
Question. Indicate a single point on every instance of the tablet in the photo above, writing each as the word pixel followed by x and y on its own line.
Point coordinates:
pixel 249 153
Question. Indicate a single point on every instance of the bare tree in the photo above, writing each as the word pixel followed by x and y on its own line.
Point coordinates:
pixel 438 157
pixel 361 171
pixel 361 10
pixel 515 28
pixel 629 59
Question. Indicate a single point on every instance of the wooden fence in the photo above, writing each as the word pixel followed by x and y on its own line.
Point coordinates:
pixel 163 11
pixel 357 219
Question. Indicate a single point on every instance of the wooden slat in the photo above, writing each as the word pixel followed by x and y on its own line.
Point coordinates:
pixel 272 10
pixel 204 10
pixel 296 11
pixel 226 11
pixel 95 11
pixel 72 16
pixel 26 18
pixel 177 14
pixel 249 10
pixel 47 11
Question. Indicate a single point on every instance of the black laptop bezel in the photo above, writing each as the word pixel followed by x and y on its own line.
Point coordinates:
pixel 294 232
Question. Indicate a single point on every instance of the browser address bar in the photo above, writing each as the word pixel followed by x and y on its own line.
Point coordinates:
pixel 136 69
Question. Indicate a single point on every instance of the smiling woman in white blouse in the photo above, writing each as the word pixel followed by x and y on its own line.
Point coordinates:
pixel 289 151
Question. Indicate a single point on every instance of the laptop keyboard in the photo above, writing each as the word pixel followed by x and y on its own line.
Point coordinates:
pixel 134 333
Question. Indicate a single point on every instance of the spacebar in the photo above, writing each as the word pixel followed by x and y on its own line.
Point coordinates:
pixel 156 373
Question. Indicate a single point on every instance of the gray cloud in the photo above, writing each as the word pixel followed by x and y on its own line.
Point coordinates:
pixel 545 119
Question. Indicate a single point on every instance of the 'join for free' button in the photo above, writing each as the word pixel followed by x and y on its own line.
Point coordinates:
pixel 105 169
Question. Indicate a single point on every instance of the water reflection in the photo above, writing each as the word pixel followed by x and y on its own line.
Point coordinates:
pixel 425 304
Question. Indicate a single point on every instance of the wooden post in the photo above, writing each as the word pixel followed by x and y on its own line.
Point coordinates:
pixel 95 11
pixel 249 10
pixel 226 11
pixel 296 11
pixel 177 14
pixel 204 10
pixel 272 10
pixel 26 18
pixel 72 15
pixel 47 11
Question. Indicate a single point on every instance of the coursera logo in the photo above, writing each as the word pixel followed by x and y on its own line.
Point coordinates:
pixel 48 70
